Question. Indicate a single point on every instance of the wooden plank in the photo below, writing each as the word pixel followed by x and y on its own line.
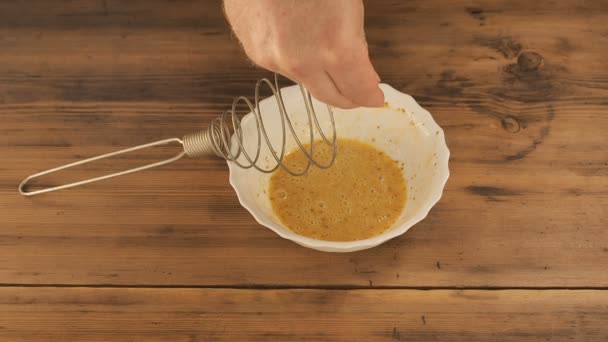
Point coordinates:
pixel 525 205
pixel 102 314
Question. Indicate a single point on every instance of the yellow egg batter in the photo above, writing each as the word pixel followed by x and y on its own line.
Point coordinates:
pixel 359 197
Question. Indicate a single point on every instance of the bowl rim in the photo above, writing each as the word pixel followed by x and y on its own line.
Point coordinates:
pixel 443 156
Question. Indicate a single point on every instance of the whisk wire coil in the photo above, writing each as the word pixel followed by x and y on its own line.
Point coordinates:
pixel 218 140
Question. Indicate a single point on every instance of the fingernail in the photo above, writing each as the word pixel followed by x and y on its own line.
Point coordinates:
pixel 377 77
pixel 381 102
pixel 377 100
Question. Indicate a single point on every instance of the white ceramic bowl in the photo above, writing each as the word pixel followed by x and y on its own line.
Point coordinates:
pixel 403 130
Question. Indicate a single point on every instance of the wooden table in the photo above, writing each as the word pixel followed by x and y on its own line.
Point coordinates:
pixel 517 249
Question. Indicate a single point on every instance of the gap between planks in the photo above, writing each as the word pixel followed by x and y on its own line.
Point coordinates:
pixel 313 287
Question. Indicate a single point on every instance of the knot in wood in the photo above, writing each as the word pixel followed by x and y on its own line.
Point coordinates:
pixel 510 124
pixel 529 61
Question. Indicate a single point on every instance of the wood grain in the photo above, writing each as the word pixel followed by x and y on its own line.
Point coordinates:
pixel 51 314
pixel 521 89
pixel 517 249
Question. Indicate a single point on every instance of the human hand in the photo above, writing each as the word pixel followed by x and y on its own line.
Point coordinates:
pixel 318 43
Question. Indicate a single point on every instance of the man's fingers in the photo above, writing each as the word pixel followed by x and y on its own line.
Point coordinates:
pixel 322 87
pixel 357 80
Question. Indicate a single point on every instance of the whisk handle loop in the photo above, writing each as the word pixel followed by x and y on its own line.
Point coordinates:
pixel 24 183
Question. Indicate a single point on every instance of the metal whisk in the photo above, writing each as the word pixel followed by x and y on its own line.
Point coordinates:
pixel 219 139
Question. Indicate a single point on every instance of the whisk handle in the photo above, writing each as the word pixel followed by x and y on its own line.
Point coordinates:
pixel 22 186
